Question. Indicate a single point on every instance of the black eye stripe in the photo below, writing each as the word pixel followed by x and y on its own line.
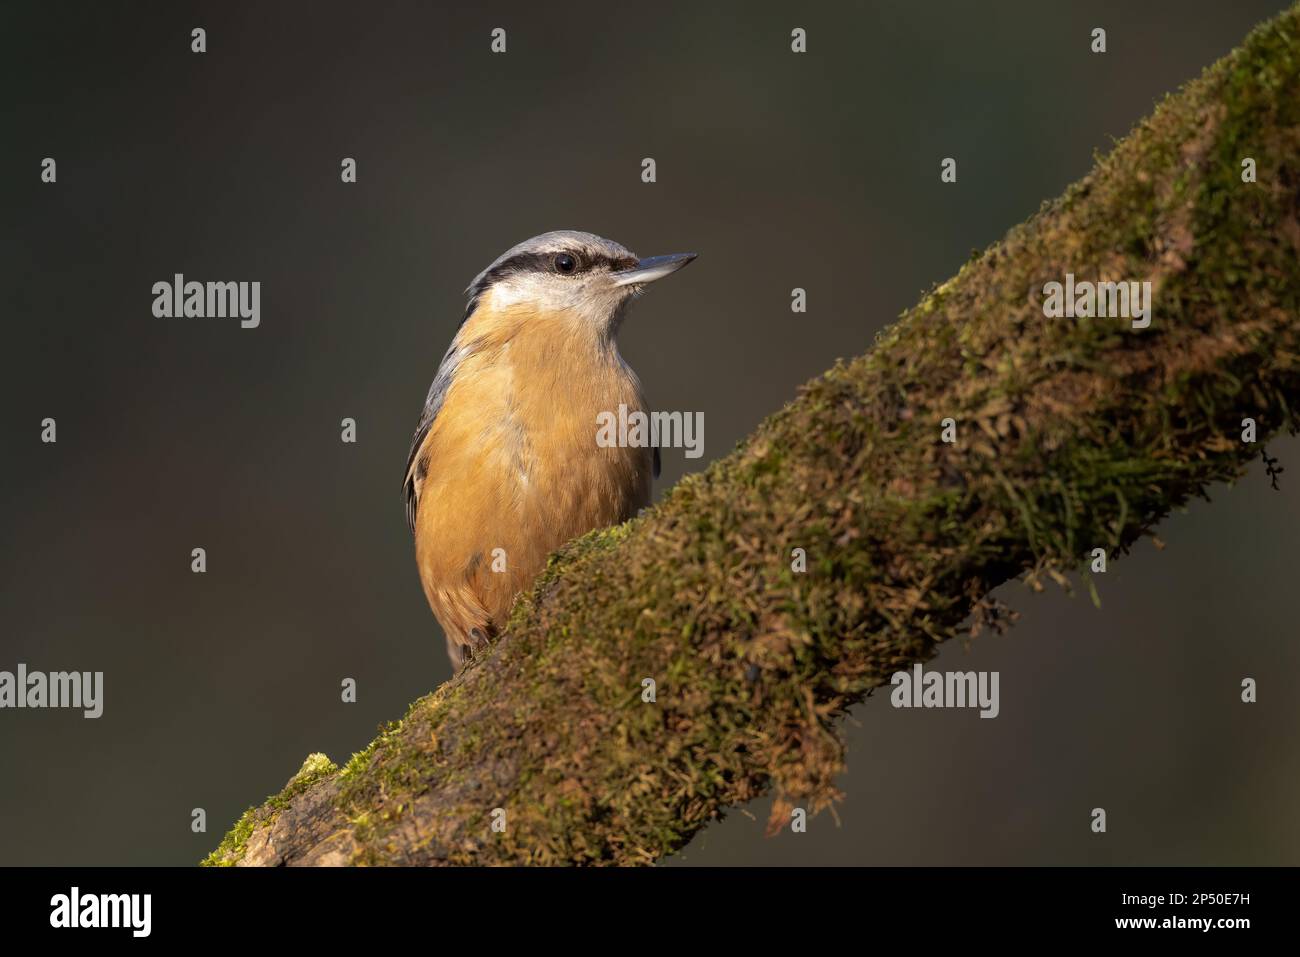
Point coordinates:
pixel 524 262
pixel 533 262
pixel 538 262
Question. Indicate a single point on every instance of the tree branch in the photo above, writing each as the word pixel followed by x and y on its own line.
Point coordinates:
pixel 1072 434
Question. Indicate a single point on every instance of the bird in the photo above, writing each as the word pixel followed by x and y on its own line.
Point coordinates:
pixel 504 466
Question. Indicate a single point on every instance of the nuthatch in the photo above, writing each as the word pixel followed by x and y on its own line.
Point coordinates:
pixel 504 466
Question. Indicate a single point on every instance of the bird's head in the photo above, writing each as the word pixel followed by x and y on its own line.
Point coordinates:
pixel 569 273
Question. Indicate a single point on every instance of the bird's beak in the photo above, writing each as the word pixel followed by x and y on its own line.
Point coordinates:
pixel 648 270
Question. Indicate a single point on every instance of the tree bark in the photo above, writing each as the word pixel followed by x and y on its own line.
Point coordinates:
pixel 1072 434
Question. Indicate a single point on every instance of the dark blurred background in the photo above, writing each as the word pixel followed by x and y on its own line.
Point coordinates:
pixel 818 170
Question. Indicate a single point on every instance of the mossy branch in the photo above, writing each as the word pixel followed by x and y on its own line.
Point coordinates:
pixel 1073 434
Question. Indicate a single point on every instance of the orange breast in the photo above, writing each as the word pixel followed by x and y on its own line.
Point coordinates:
pixel 513 467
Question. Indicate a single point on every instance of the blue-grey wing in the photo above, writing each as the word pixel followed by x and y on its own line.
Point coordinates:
pixel 417 466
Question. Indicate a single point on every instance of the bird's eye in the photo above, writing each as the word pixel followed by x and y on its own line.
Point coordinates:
pixel 564 263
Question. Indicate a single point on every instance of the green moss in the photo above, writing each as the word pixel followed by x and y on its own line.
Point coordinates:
pixel 232 847
pixel 314 768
